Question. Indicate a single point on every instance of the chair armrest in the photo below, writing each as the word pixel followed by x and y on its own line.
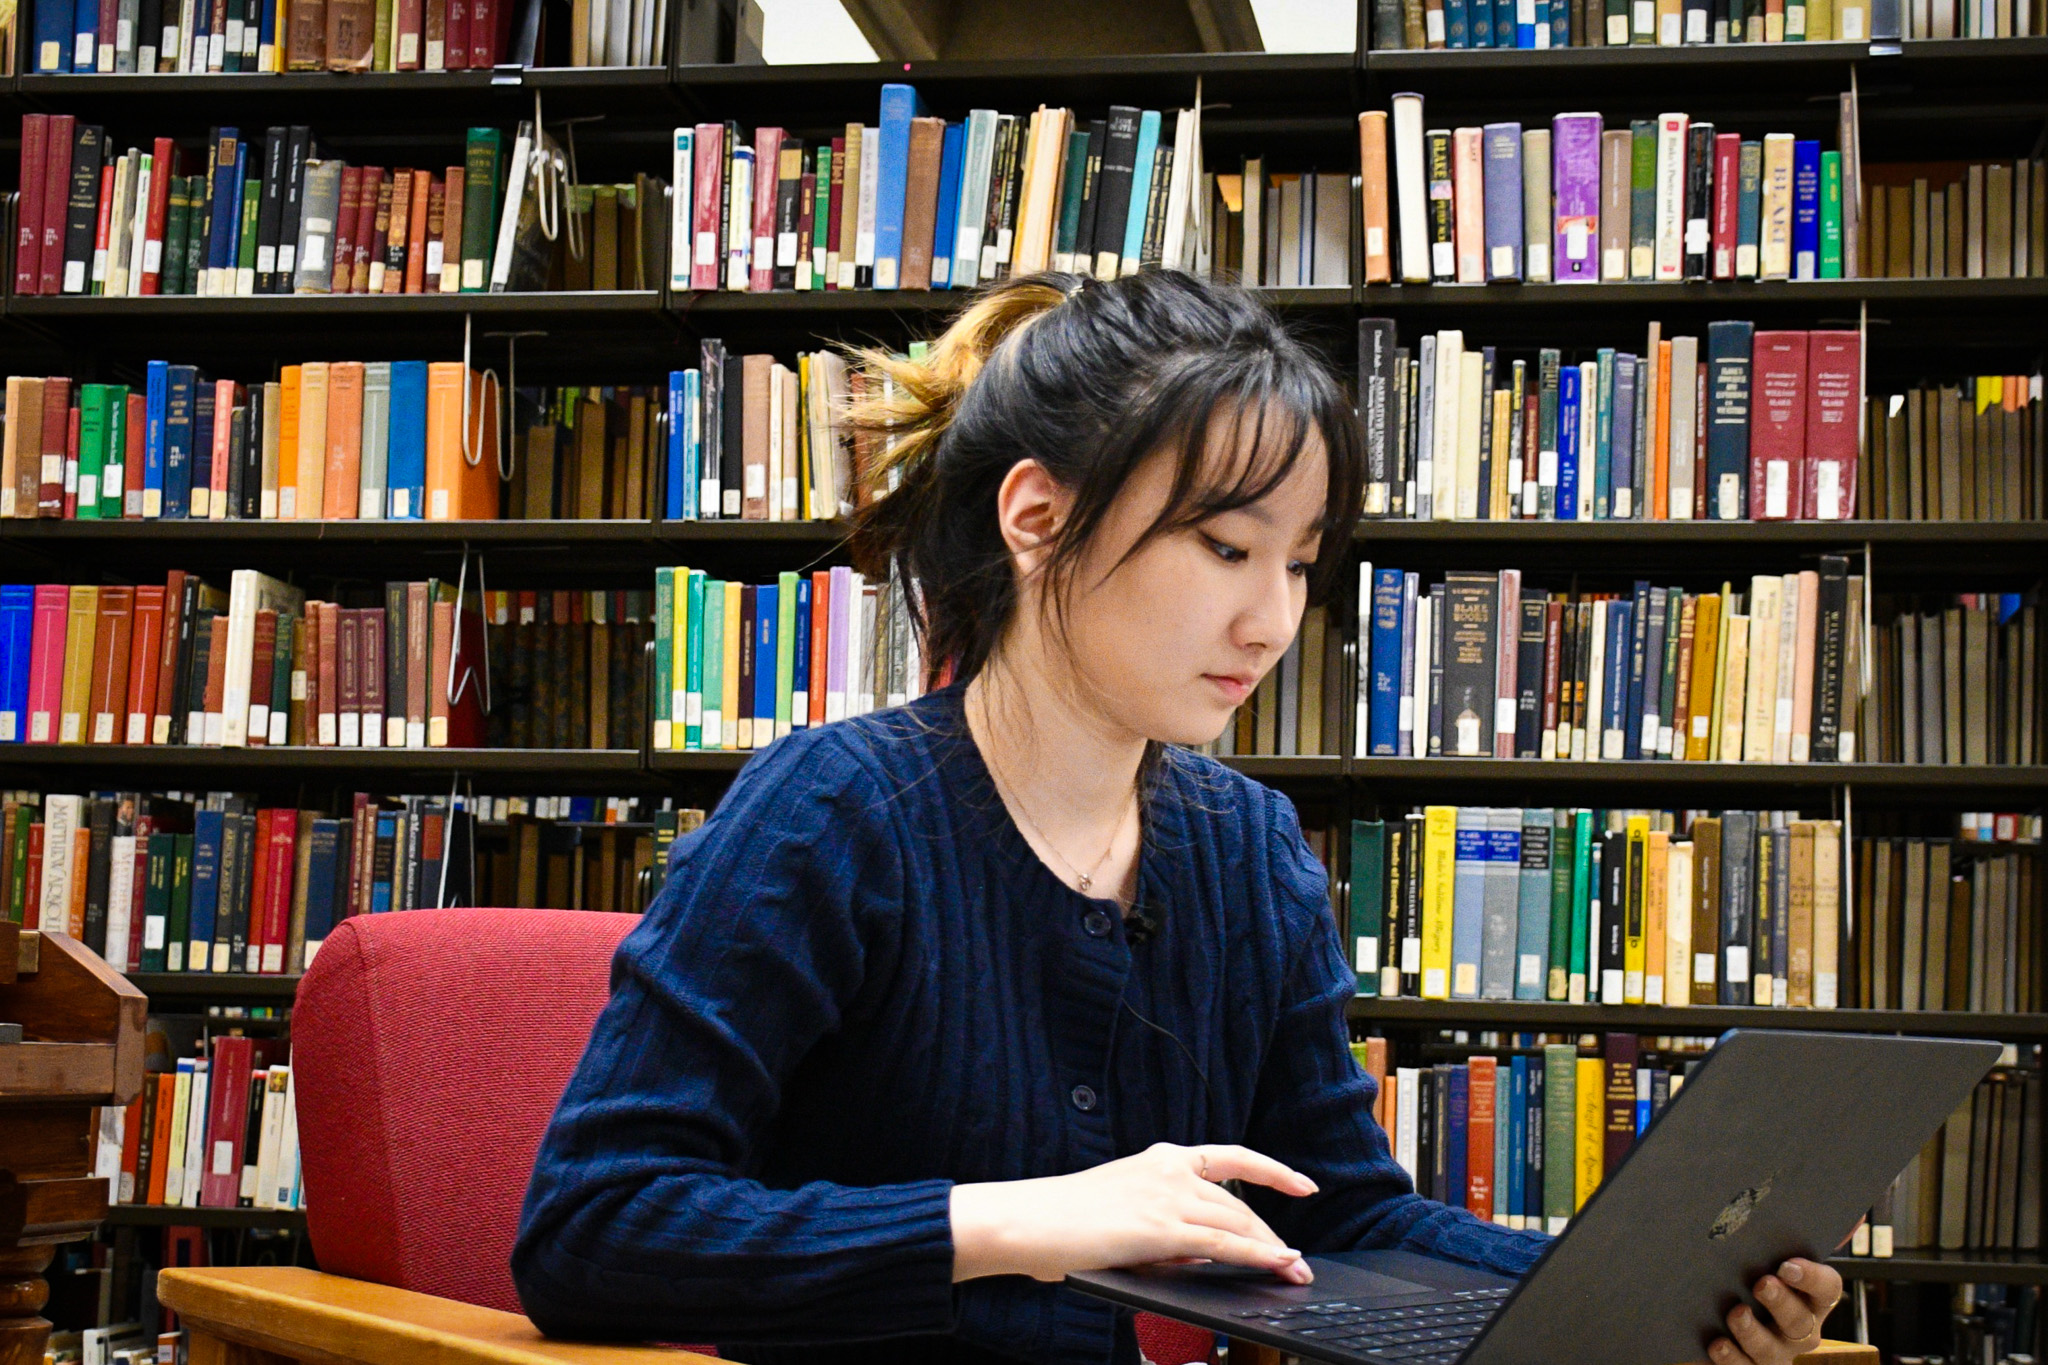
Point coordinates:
pixel 1839 1353
pixel 305 1315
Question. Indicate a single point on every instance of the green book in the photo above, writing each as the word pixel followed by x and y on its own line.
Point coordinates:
pixel 1642 201
pixel 1558 981
pixel 713 651
pixel 664 662
pixel 821 218
pixel 1368 901
pixel 1831 215
pixel 177 222
pixel 785 650
pixel 92 448
pixel 244 281
pixel 693 663
pixel 1560 1133
pixel 17 881
pixel 380 37
pixel 1603 432
pixel 114 469
pixel 1071 194
pixel 480 174
pixel 197 223
pixel 1582 902
pixel 178 922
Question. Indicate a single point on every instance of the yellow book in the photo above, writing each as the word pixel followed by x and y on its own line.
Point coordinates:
pixel 729 675
pixel 1827 908
pixel 1638 830
pixel 1591 1130
pixel 81 625
pixel 1799 919
pixel 1760 710
pixel 1678 926
pixel 1820 21
pixel 1656 888
pixel 311 477
pixel 679 659
pixel 1721 663
pixel 1439 888
pixel 1471 380
pixel 288 442
pixel 1729 696
pixel 1706 655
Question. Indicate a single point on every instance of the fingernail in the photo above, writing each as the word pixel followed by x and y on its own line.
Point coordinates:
pixel 1302 1274
pixel 1743 1317
pixel 1290 1253
pixel 1791 1272
pixel 1312 1186
pixel 1768 1288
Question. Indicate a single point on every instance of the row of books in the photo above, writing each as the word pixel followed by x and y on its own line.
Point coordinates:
pixel 1942 925
pixel 1974 18
pixel 919 202
pixel 1462 24
pixel 1287 229
pixel 1608 906
pixel 342 439
pixel 1523 1140
pixel 750 438
pixel 738 665
pixel 1749 425
pixel 1669 198
pixel 1957 220
pixel 1956 680
pixel 1976 1185
pixel 216 1132
pixel 565 667
pixel 276 216
pixel 153 37
pixel 1972 451
pixel 259 664
pixel 1298 707
pixel 1477 666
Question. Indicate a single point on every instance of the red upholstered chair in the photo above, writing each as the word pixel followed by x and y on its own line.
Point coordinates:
pixel 429 1051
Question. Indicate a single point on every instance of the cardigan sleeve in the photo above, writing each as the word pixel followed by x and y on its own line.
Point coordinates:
pixel 1313 1105
pixel 642 1221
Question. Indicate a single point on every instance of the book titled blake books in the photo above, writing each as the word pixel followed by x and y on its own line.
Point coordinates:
pixel 1728 419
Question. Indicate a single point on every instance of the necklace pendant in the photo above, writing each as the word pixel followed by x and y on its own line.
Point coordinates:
pixel 1085 882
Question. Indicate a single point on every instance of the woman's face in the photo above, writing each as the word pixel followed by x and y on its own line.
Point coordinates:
pixel 1170 643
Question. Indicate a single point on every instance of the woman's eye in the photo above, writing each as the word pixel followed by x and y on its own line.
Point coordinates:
pixel 1229 553
pixel 1299 568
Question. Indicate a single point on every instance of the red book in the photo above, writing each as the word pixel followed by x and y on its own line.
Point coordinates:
pixel 406 38
pixel 1553 656
pixel 35 868
pixel 145 825
pixel 259 894
pixel 1620 1108
pixel 216 676
pixel 705 256
pixel 277 901
pixel 366 229
pixel 1727 198
pixel 1479 1138
pixel 262 673
pixel 163 163
pixel 46 663
pixel 71 417
pixel 56 439
pixel 456 45
pixel 821 602
pixel 832 203
pixel 1834 366
pixel 345 230
pixel 761 251
pixel 145 649
pixel 347 677
pixel 63 133
pixel 1777 431
pixel 131 491
pixel 370 675
pixel 28 237
pixel 485 41
pixel 167 666
pixel 106 716
pixel 109 32
pixel 227 1097
pixel 97 268
pixel 223 444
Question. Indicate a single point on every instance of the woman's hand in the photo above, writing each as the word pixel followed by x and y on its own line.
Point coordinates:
pixel 1162 1204
pixel 1798 1298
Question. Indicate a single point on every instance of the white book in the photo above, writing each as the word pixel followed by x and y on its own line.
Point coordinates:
pixel 1411 189
pixel 263 1194
pixel 1671 133
pixel 739 213
pixel 792 471
pixel 508 216
pixel 1781 689
pixel 870 170
pixel 682 204
pixel 106 1158
pixel 249 592
pixel 1602 742
pixel 1685 359
pixel 1760 689
pixel 1416 702
pixel 1677 927
pixel 1251 259
pixel 120 900
pixel 174 1150
pixel 141 258
pixel 60 828
pixel 195 1131
pixel 285 1186
pixel 1450 346
pixel 1174 240
pixel 1406 1122
pixel 977 151
pixel 776 418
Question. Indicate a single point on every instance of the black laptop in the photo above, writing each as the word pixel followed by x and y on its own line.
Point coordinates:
pixel 1777 1143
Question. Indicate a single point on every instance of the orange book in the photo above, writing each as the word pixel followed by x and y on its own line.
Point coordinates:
pixel 1375 195
pixel 462 475
pixel 110 666
pixel 437 696
pixel 167 662
pixel 216 677
pixel 1657 982
pixel 311 451
pixel 160 1140
pixel 416 232
pixel 81 871
pixel 1479 1109
pixel 1660 438
pixel 288 443
pixel 451 232
pixel 146 642
pixel 345 438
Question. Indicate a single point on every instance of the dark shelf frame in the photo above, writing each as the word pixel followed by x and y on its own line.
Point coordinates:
pixel 166 1216
pixel 215 987
pixel 1932 1265
pixel 1538 1016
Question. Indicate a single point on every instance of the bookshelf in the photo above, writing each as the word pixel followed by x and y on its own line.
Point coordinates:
pixel 1261 101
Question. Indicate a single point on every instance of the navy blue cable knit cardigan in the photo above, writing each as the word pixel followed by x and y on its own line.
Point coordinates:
pixel 860 985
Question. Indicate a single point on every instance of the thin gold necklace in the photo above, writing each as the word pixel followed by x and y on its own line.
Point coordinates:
pixel 1086 878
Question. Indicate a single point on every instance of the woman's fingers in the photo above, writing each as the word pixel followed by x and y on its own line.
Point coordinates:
pixel 1220 1208
pixel 1218 1244
pixel 1726 1352
pixel 1819 1283
pixel 1227 1161
pixel 1797 1321
pixel 1758 1342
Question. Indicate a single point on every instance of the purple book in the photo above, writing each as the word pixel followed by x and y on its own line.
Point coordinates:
pixel 1501 159
pixel 1575 178
pixel 835 645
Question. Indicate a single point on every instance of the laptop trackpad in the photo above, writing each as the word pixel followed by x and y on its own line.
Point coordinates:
pixel 1334 1279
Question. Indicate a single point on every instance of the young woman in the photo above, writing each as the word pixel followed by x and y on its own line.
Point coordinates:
pixel 948 1000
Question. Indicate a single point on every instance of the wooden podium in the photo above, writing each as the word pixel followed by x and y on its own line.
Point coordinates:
pixel 82 1040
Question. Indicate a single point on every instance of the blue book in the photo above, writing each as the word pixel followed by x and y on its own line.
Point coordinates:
pixel 1141 189
pixel 1457 29
pixel 182 390
pixel 17 609
pixel 85 36
pixel 1479 23
pixel 406 465
pixel 237 190
pixel 1468 903
pixel 226 204
pixel 1729 348
pixel 1517 1102
pixel 202 450
pixel 1653 671
pixel 1458 1103
pixel 900 104
pixel 1560 22
pixel 266 28
pixel 1642 1100
pixel 1504 26
pixel 155 401
pixel 53 37
pixel 323 881
pixel 1603 437
pixel 1568 443
pixel 1525 24
pixel 1383 716
pixel 1621 467
pixel 1805 210
pixel 1532 1177
pixel 800 657
pixel 1501 180
pixel 1614 691
pixel 946 222
pixel 678 432
pixel 1633 646
pixel 380 886
pixel 208 831
pixel 765 642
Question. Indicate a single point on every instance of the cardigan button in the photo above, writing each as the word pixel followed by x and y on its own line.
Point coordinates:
pixel 1084 1098
pixel 1096 922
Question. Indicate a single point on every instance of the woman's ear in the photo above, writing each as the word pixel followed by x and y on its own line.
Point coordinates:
pixel 1031 505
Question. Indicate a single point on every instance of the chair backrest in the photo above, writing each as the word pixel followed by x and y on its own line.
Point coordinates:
pixel 429 1050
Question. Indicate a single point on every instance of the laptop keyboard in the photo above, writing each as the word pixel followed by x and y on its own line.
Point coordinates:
pixel 1434 1333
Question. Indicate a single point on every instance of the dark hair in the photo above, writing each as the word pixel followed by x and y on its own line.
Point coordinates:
pixel 1088 378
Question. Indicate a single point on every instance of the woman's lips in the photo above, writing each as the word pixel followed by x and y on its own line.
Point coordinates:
pixel 1234 689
